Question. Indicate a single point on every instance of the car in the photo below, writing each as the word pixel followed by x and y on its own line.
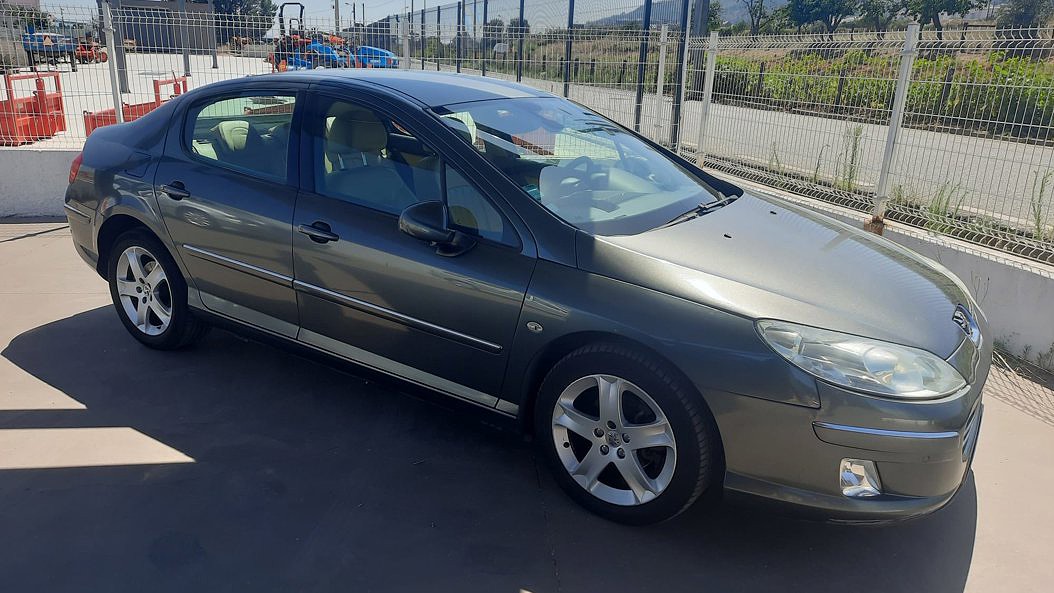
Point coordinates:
pixel 660 332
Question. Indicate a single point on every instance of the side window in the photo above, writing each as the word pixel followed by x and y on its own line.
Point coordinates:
pixel 472 213
pixel 366 158
pixel 250 134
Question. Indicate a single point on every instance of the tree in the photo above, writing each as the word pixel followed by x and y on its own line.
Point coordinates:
pixel 245 7
pixel 243 18
pixel 518 28
pixel 492 32
pixel 929 11
pixel 1025 14
pixel 756 13
pixel 713 20
pixel 880 13
pixel 778 21
pixel 829 12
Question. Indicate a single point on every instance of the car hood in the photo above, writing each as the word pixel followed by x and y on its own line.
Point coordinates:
pixel 764 258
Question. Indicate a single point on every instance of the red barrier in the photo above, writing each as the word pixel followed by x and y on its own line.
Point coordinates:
pixel 133 111
pixel 27 119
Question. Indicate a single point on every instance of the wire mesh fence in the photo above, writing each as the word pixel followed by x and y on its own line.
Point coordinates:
pixel 952 135
pixel 973 156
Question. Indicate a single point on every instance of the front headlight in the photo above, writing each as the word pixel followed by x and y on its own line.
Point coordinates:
pixel 862 364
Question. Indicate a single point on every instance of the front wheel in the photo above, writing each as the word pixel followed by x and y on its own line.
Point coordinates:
pixel 624 436
pixel 150 294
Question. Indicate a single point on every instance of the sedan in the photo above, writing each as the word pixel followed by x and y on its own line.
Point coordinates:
pixel 660 332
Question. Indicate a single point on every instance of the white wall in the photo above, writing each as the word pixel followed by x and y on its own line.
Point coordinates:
pixel 1017 296
pixel 33 182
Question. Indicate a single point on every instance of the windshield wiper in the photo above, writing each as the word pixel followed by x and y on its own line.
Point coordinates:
pixel 700 210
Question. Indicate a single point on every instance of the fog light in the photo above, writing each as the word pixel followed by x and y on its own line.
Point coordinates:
pixel 859 478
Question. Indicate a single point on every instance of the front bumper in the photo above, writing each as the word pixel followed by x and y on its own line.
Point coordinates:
pixel 791 455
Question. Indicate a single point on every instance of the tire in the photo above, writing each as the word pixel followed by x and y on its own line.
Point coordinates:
pixel 167 323
pixel 572 437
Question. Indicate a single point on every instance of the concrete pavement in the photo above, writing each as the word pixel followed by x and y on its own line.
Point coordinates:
pixel 236 466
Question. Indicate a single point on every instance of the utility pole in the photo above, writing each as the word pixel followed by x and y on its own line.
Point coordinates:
pixel 336 16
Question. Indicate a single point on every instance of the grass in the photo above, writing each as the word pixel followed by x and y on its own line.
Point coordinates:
pixel 849 164
pixel 943 207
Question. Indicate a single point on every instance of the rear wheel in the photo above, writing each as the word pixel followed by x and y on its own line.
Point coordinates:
pixel 150 294
pixel 623 436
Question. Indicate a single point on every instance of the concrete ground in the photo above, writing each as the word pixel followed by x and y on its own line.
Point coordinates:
pixel 236 466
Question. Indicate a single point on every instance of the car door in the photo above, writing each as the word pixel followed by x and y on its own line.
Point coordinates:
pixel 226 188
pixel 374 294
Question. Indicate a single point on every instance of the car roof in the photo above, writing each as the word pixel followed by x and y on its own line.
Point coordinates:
pixel 429 88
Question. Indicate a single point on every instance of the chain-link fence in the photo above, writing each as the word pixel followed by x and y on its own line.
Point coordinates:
pixel 952 135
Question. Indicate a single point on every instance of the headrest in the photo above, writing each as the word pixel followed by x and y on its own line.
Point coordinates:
pixel 359 130
pixel 232 133
pixel 557 182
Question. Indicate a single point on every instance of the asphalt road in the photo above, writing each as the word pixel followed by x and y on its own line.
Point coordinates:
pixel 236 466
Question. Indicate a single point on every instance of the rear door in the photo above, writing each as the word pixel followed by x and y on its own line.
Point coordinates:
pixel 378 296
pixel 226 188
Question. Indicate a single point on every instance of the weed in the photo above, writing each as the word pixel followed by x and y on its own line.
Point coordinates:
pixel 819 159
pixel 942 209
pixel 1037 207
pixel 774 159
pixel 849 165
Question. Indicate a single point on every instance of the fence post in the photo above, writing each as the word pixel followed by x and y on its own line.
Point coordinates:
pixel 900 97
pixel 708 93
pixel 680 79
pixel 424 37
pixel 660 79
pixel 642 62
pixel 519 45
pixel 457 35
pixel 483 58
pixel 439 40
pixel 567 46
pixel 183 40
pixel 404 35
pixel 116 39
pixel 114 89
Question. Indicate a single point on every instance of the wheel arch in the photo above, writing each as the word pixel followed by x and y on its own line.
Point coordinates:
pixel 557 349
pixel 115 226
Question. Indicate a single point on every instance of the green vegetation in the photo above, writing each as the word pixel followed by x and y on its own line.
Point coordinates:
pixel 1039 205
pixel 995 94
pixel 849 163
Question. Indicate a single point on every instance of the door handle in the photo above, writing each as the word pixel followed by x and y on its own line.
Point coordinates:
pixel 318 231
pixel 175 190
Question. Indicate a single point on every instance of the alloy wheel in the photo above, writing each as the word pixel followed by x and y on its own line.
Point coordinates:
pixel 144 291
pixel 614 440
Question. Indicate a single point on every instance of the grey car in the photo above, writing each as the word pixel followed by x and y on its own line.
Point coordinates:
pixel 660 332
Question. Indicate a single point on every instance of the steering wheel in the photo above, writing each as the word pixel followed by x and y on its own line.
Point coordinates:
pixel 577 162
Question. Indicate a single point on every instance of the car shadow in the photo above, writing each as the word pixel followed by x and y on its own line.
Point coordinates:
pixel 306 477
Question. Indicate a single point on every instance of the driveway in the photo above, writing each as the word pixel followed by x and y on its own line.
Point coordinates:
pixel 236 466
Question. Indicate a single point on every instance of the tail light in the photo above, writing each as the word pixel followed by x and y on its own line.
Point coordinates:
pixel 75 166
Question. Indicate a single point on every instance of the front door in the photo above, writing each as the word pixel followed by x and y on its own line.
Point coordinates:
pixel 370 292
pixel 227 192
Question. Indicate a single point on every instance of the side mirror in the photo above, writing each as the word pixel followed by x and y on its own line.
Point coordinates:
pixel 427 221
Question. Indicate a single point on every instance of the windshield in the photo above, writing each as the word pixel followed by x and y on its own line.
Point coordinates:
pixel 584 168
